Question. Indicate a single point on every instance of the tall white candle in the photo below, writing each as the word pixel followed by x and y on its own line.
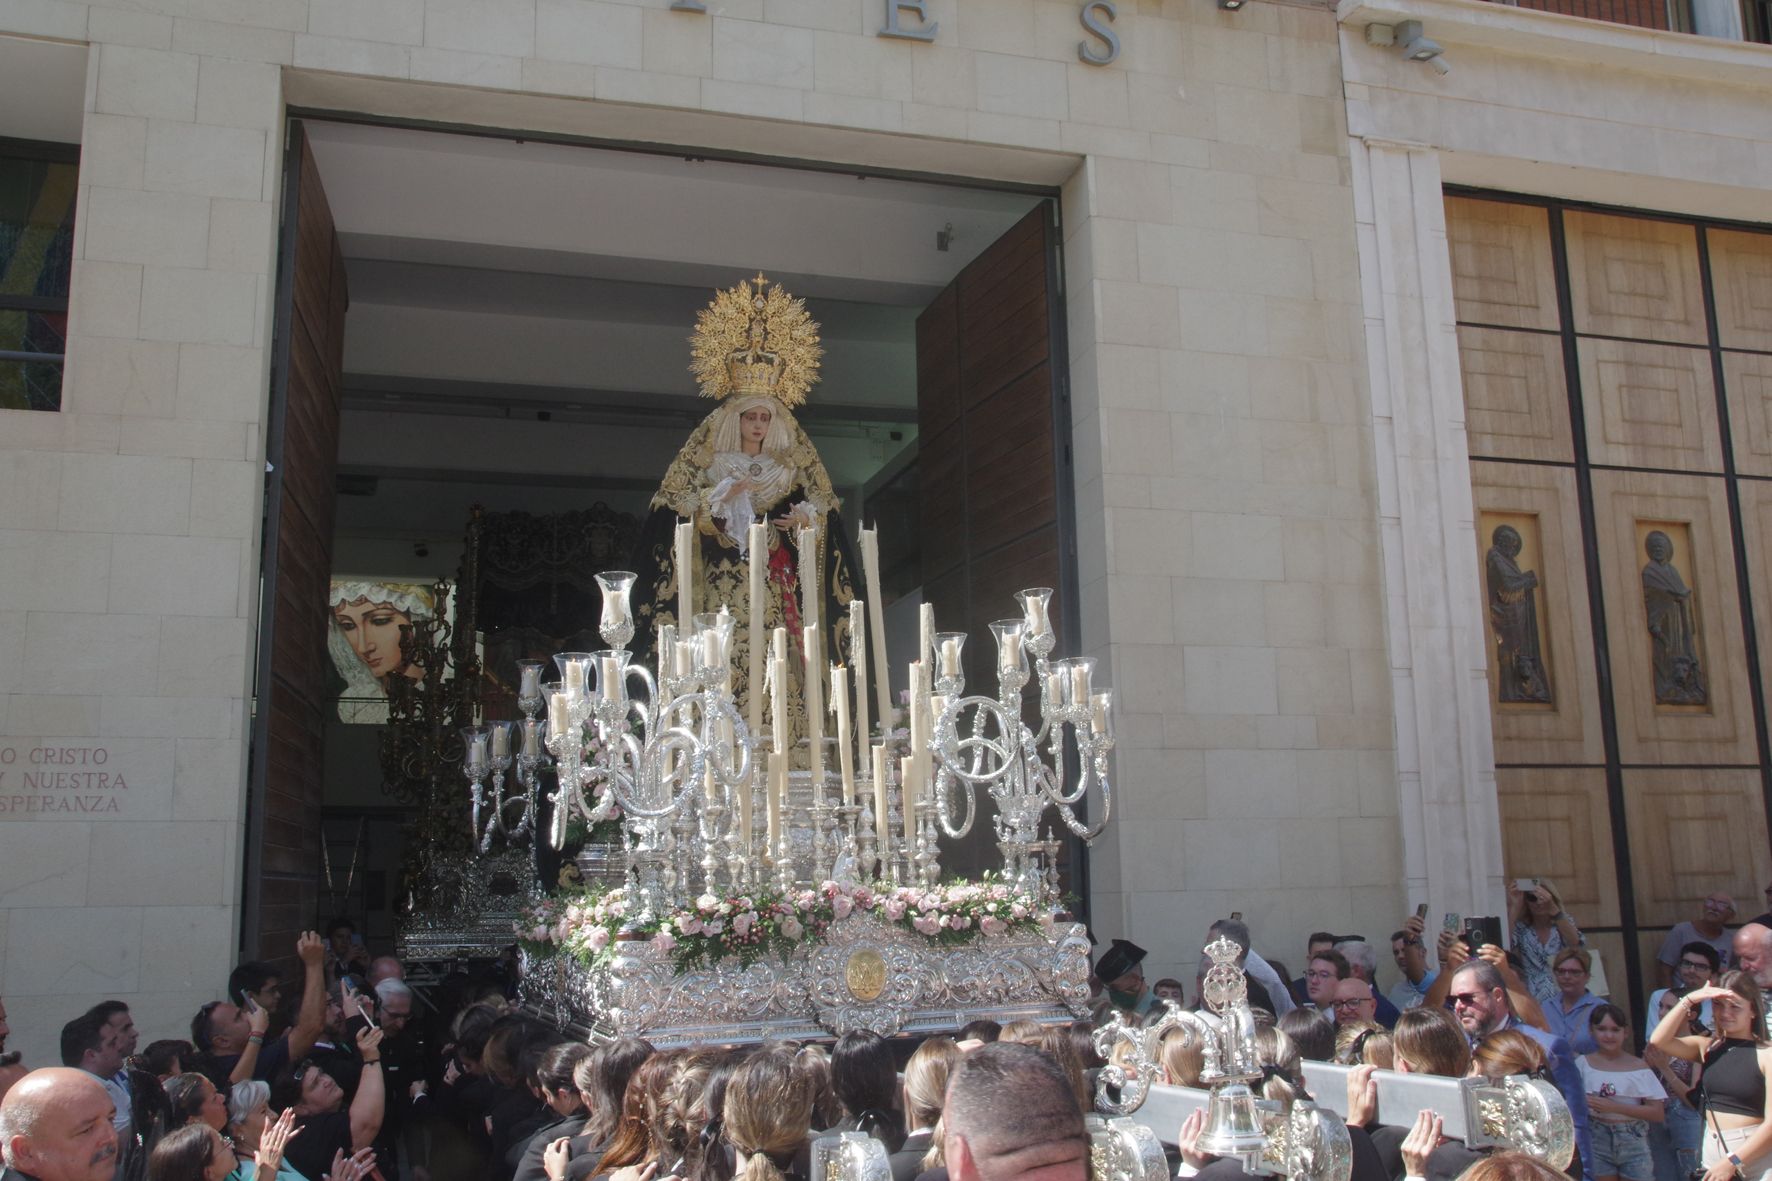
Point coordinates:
pixel 858 660
pixel 759 556
pixel 814 688
pixel 559 714
pixel 808 555
pixel 870 565
pixel 778 785
pixel 501 739
pixel 909 799
pixel 926 631
pixel 885 837
pixel 778 704
pixel 845 752
pixel 918 726
pixel 685 564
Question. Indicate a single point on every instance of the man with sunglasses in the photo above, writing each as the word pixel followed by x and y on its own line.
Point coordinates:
pixel 1479 999
pixel 232 1038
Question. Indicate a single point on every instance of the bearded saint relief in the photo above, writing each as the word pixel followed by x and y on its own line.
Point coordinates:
pixel 1513 615
pixel 1673 629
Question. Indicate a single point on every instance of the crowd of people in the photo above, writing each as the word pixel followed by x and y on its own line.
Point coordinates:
pixel 356 1076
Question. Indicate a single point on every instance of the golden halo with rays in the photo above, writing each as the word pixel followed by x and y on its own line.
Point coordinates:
pixel 723 328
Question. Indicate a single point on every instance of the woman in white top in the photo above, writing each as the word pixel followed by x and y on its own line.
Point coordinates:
pixel 1623 1097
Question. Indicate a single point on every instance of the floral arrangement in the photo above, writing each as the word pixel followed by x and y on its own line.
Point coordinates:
pixel 748 927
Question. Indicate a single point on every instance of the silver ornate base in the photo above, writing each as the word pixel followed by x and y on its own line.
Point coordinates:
pixel 867 974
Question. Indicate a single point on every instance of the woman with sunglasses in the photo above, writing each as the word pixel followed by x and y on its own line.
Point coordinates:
pixel 1737 1116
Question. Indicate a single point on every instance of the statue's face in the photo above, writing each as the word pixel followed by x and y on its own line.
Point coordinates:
pixel 1507 540
pixel 1659 547
pixel 753 424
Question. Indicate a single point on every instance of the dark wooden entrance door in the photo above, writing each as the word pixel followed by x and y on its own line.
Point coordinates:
pixel 283 813
pixel 990 412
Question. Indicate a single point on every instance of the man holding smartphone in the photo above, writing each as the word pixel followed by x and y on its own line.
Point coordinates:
pixel 1409 952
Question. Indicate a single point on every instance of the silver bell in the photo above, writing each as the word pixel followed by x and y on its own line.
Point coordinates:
pixel 1233 1125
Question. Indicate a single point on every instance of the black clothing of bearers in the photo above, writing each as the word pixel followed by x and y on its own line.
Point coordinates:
pixel 586 1153
pixel 907 1162
pixel 515 1115
pixel 310 1153
pixel 529 1166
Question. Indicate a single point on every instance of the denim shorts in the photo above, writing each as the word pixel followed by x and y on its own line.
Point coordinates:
pixel 1620 1150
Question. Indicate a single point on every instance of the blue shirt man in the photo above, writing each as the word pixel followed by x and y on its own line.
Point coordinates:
pixel 1479 1000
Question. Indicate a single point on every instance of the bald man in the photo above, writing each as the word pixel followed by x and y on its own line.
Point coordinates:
pixel 55 1125
pixel 385 967
pixel 1753 953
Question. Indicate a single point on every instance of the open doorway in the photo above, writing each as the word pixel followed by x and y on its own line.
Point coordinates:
pixel 515 339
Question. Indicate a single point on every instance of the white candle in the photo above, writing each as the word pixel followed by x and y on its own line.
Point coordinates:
pixel 531 737
pixel 1101 718
pixel 808 554
pixel 814 688
pixel 709 786
pixel 477 751
pixel 909 799
pixel 758 542
pixel 870 565
pixel 885 838
pixel 501 740
pixel 919 717
pixel 858 659
pixel 746 803
pixel 685 574
pixel 778 704
pixel 667 650
pixel 615 680
pixel 778 786
pixel 949 646
pixel 559 714
pixel 530 671
pixel 926 631
pixel 845 753
pixel 574 685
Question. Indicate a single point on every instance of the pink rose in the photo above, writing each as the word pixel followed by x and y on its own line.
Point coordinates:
pixel 841 906
pixel 894 909
pixel 990 926
pixel 598 939
pixel 539 933
pixel 689 925
pixel 926 925
pixel 791 928
pixel 741 924
pixel 1018 911
pixel 713 926
pixel 664 941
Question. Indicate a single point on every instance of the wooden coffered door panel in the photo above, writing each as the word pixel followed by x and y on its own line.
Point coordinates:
pixel 283 820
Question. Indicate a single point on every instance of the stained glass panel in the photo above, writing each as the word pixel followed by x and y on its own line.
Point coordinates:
pixel 36 258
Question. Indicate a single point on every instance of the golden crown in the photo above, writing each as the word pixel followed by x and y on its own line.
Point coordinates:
pixel 755 338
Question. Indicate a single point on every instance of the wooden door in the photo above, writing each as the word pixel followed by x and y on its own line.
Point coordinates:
pixel 283 812
pixel 992 500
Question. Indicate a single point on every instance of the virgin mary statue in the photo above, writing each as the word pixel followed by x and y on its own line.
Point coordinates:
pixel 755 350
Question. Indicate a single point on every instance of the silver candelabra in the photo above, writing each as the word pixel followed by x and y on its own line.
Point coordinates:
pixel 983 741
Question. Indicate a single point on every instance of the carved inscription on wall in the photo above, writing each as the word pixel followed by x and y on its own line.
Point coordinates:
pixel 1671 613
pixel 62 779
pixel 1511 587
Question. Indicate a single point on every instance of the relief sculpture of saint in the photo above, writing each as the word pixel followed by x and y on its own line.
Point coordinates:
pixel 1673 631
pixel 1513 614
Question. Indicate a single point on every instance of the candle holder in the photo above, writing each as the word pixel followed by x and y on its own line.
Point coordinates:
pixel 849 859
pixel 784 859
pixel 617 624
pixel 1001 754
pixel 865 843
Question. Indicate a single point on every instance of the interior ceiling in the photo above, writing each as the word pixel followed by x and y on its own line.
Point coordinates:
pixel 520 311
pixel 42 89
pixel 494 227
